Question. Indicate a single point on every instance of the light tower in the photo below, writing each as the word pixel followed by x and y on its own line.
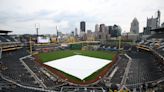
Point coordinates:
pixel 37 26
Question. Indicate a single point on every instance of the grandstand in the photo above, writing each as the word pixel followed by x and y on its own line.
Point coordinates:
pixel 155 41
pixel 7 42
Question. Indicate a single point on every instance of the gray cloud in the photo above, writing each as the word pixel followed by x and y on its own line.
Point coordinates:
pixel 21 15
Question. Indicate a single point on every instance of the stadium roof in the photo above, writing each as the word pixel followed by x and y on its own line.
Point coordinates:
pixel 5 31
pixel 158 30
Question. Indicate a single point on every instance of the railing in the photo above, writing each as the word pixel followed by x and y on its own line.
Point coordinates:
pixel 123 82
pixel 85 88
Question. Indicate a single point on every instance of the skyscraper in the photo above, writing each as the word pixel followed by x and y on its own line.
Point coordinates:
pixel 152 23
pixel 82 31
pixel 134 26
pixel 102 35
pixel 116 32
pixel 72 33
pixel 96 28
pixel 102 27
pixel 82 26
pixel 76 34
pixel 110 29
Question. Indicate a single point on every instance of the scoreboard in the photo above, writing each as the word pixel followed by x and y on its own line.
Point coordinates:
pixel 43 39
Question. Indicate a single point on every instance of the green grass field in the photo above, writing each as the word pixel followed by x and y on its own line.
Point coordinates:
pixel 45 57
pixel 66 53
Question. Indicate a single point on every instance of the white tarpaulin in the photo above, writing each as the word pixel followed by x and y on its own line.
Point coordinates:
pixel 78 65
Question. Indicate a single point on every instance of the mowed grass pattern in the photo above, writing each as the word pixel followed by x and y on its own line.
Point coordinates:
pixel 45 57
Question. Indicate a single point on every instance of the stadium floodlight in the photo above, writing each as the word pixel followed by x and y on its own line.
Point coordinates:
pixel 37 26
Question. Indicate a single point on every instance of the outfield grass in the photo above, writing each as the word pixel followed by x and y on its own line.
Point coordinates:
pixel 66 53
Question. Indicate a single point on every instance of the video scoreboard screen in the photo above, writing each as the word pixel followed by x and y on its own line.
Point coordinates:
pixel 43 39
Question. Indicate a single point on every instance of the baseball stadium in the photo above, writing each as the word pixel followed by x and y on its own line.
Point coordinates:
pixel 84 66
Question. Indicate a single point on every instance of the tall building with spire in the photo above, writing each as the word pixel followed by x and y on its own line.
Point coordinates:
pixel 134 26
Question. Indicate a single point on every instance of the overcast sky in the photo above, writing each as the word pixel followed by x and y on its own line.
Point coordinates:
pixel 20 16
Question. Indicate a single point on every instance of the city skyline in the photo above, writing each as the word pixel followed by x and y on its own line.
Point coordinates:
pixel 20 16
